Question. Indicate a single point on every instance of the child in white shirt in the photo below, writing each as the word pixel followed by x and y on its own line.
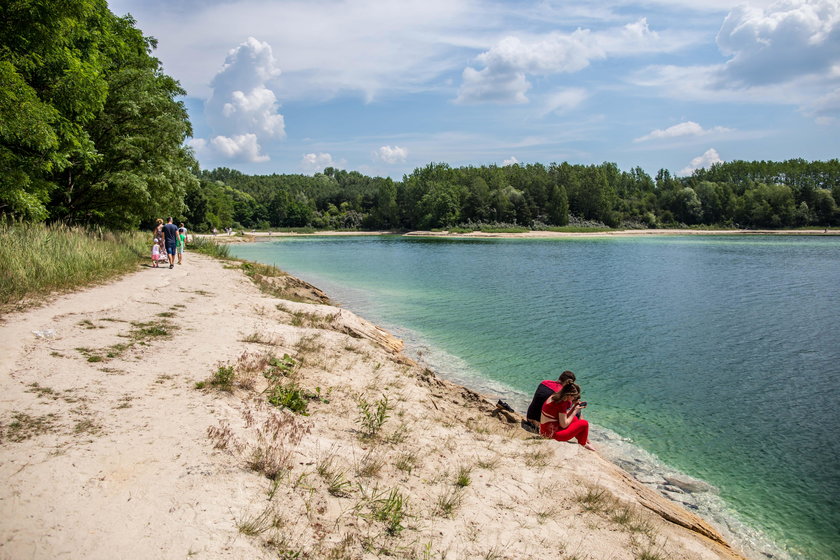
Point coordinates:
pixel 155 254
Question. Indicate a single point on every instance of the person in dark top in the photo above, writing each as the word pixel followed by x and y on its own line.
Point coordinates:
pixel 544 390
pixel 170 239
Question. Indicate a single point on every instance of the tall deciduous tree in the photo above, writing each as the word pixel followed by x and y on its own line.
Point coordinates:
pixel 105 140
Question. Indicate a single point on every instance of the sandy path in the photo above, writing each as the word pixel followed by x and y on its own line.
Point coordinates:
pixel 105 449
pixel 124 470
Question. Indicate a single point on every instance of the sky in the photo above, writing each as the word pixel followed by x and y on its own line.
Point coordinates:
pixel 386 86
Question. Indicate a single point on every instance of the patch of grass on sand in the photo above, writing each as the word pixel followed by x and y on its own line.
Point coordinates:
pixel 24 426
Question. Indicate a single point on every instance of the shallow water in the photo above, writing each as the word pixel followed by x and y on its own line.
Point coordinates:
pixel 714 356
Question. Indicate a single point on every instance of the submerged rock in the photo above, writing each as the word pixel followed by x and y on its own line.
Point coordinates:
pixel 691 485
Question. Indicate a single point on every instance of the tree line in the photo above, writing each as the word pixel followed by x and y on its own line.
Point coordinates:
pixel 92 132
pixel 759 194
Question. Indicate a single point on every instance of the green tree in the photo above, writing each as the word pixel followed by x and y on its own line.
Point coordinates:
pixel 51 85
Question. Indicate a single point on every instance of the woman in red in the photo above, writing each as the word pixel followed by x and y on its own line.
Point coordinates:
pixel 558 420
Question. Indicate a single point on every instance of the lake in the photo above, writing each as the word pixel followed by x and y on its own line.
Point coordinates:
pixel 713 356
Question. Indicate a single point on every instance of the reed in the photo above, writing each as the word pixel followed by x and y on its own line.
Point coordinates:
pixel 38 259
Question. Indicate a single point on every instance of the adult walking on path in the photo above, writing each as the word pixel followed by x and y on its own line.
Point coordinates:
pixel 170 237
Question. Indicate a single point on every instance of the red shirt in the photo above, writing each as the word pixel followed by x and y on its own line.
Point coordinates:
pixel 551 410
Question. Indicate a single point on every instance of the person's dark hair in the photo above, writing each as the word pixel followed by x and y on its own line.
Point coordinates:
pixel 568 389
pixel 567 376
pixel 169 219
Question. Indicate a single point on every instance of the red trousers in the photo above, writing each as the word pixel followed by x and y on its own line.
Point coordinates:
pixel 578 428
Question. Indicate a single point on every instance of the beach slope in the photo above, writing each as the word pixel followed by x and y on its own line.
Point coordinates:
pixel 136 421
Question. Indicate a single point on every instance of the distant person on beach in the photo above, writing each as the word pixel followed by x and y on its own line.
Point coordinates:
pixel 558 420
pixel 170 239
pixel 181 243
pixel 544 390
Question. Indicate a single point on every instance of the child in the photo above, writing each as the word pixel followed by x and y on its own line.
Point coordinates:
pixel 155 254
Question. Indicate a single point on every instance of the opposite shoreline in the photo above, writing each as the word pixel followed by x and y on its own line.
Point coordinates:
pixel 107 441
pixel 258 236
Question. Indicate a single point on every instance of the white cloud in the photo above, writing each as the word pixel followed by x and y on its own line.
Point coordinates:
pixel 778 43
pixel 316 163
pixel 242 147
pixel 388 154
pixel 242 111
pixel 683 129
pixel 506 64
pixel 256 110
pixel 709 158
pixel 511 161
pixel 241 102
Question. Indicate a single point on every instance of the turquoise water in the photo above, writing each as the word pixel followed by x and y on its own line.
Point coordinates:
pixel 720 355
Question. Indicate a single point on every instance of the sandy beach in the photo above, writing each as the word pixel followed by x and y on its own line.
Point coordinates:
pixel 135 423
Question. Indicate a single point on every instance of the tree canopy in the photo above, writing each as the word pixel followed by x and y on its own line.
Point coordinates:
pixel 90 128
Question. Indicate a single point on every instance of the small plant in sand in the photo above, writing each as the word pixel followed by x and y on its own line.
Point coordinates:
pixel 407 462
pixel 289 396
pixel 489 463
pixel 537 458
pixel 595 499
pixel 370 465
pixel 257 524
pixel 222 378
pixel 277 438
pixel 336 479
pixel 372 416
pixel 257 337
pixel 463 479
pixel 391 509
pixel 223 438
pixel 449 502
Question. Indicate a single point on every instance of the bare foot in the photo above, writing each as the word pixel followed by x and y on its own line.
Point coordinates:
pixel 589 447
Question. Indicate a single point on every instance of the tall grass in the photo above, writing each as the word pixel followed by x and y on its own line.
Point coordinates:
pixel 209 246
pixel 37 259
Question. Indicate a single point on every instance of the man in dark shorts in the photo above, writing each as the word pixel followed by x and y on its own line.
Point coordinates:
pixel 170 240
pixel 545 389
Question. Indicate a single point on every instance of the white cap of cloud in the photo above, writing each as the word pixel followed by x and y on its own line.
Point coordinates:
pixel 511 161
pixel 785 40
pixel 242 147
pixel 315 163
pixel 709 158
pixel 388 154
pixel 242 110
pixel 256 110
pixel 687 128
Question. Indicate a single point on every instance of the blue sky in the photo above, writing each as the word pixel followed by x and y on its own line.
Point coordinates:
pixel 383 87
